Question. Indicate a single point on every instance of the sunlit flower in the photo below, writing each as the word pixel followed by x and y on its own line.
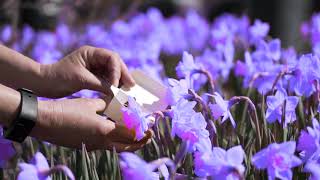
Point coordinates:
pixel 219 163
pixel 221 108
pixel 135 168
pixel 278 159
pixel 178 89
pixel 309 142
pixel 276 104
pixel 187 124
pixel 38 169
pixel 313 168
pixel 135 119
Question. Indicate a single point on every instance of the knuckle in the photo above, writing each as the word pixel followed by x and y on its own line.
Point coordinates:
pixel 85 47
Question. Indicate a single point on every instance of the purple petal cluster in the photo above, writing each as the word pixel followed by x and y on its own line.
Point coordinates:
pixel 281 103
pixel 219 163
pixel 135 168
pixel 188 124
pixel 221 109
pixel 38 169
pixel 178 89
pixel 305 74
pixel 135 119
pixel 277 159
pixel 309 142
pixel 6 149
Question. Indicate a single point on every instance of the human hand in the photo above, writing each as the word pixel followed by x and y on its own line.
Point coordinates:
pixel 86 68
pixel 71 122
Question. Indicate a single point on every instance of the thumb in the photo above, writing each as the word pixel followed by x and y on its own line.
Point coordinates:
pixel 92 82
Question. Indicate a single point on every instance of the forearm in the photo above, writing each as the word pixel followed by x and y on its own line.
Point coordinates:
pixel 9 106
pixel 19 71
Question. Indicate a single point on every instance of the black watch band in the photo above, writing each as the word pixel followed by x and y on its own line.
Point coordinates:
pixel 21 127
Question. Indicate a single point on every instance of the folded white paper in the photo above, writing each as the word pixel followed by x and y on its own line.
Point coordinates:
pixel 150 94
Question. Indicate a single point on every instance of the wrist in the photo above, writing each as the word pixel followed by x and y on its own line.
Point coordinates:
pixel 9 107
pixel 43 119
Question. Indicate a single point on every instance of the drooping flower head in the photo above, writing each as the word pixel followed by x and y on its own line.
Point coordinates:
pixel 188 124
pixel 135 168
pixel 135 119
pixel 221 108
pixel 278 159
pixel 178 89
pixel 187 65
pixel 38 169
pixel 313 168
pixel 219 163
pixel 305 73
pixel 309 142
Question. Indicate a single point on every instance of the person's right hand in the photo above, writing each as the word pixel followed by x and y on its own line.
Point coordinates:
pixel 71 122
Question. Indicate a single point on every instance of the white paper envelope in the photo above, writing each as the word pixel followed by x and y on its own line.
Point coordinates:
pixel 150 94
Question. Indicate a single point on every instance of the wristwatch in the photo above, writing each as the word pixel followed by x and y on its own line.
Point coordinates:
pixel 26 119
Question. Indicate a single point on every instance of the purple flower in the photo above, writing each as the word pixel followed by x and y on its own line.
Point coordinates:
pixel 270 49
pixel 259 30
pixel 219 163
pixel 258 63
pixel 278 159
pixel 275 107
pixel 221 108
pixel 213 61
pixel 6 149
pixel 305 73
pixel 229 28
pixel 313 168
pixel 177 41
pixel 178 89
pixel 188 124
pixel 309 142
pixel 38 169
pixel 197 30
pixel 45 50
pixel 86 94
pixel 6 33
pixel 289 57
pixel 65 36
pixel 135 168
pixel 187 65
pixel 245 69
pixel 27 36
pixel 135 119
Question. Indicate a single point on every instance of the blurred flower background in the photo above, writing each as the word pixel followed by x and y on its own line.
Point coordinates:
pixel 243 77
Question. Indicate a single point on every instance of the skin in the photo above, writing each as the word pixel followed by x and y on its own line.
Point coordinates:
pixel 78 119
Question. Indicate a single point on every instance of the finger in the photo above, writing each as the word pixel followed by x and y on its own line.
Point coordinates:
pixel 123 134
pixel 115 74
pixel 99 105
pixel 92 82
pixel 147 138
pixel 126 77
pixel 133 146
pixel 120 147
pixel 132 140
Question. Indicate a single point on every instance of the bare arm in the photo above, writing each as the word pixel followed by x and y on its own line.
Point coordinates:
pixel 9 104
pixel 19 71
pixel 86 68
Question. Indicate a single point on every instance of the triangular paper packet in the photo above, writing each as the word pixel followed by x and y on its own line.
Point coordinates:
pixel 150 94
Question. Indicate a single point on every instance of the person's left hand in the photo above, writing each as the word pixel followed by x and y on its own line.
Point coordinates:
pixel 86 68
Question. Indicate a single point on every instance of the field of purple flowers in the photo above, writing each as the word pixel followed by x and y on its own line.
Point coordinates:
pixel 241 106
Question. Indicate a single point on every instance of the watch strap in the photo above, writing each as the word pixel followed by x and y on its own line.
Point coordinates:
pixel 26 119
